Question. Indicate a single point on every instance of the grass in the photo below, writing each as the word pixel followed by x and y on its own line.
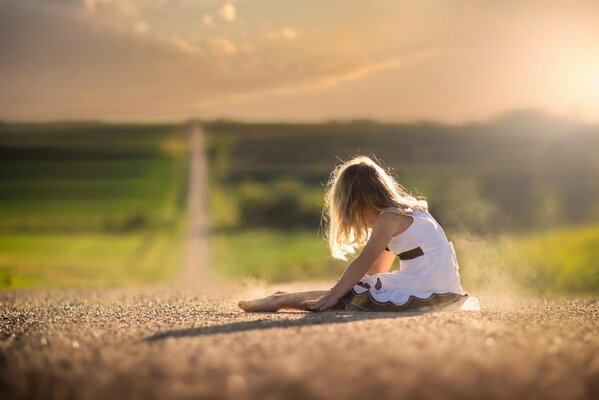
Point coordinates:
pixel 274 256
pixel 88 259
pixel 90 205
pixel 562 261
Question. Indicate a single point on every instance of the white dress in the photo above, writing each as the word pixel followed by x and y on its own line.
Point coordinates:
pixel 428 275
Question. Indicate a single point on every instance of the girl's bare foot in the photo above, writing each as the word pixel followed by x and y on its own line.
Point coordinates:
pixel 267 304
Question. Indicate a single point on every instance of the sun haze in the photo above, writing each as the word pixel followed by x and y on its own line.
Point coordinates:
pixel 297 60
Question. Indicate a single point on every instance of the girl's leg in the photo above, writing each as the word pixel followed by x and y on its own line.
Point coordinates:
pixel 281 300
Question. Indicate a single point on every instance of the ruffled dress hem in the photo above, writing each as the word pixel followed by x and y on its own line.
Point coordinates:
pixel 354 301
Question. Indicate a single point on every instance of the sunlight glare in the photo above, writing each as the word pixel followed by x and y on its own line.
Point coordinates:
pixel 595 82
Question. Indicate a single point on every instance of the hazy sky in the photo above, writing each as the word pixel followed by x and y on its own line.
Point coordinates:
pixel 297 59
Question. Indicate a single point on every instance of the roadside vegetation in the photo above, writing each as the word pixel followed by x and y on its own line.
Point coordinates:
pixel 87 205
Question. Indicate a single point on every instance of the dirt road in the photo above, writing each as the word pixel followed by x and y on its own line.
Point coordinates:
pixel 194 269
pixel 168 343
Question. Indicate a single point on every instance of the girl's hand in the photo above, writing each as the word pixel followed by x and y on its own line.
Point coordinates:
pixel 323 303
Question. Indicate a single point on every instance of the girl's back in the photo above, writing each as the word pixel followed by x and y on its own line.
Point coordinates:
pixel 427 259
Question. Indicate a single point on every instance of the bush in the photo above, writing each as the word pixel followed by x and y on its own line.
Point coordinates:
pixel 129 223
pixel 282 205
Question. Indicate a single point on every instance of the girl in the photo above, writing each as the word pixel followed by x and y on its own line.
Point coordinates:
pixel 366 207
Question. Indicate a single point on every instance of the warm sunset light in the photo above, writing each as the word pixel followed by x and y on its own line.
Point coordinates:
pixel 595 82
pixel 307 60
pixel 299 199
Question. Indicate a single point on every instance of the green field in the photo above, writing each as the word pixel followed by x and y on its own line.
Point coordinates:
pixel 273 256
pixel 90 204
pixel 564 261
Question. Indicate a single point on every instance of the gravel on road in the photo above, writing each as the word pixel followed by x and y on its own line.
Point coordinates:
pixel 171 343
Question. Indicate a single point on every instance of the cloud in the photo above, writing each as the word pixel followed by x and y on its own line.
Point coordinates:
pixel 127 8
pixel 228 12
pixel 168 68
pixel 330 81
pixel 140 27
pixel 289 33
pixel 119 58
pixel 285 33
pixel 223 46
pixel 90 5
pixel 124 7
pixel 183 45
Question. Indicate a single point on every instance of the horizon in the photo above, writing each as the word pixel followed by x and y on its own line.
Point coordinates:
pixel 526 114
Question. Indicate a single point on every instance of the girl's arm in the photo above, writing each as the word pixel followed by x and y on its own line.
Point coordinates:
pixel 383 229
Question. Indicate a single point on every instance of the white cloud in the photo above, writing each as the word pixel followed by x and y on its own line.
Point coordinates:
pixel 223 46
pixel 228 12
pixel 184 45
pixel 114 8
pixel 89 4
pixel 92 4
pixel 140 27
pixel 267 53
pixel 326 82
pixel 289 33
pixel 285 33
pixel 127 8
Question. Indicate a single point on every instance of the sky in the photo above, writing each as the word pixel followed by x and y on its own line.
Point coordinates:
pixel 390 60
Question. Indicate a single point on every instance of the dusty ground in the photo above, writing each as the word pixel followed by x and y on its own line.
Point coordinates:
pixel 169 343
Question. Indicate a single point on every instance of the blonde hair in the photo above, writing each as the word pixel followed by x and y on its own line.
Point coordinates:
pixel 353 187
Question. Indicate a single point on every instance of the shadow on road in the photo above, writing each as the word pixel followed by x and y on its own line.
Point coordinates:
pixel 308 319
